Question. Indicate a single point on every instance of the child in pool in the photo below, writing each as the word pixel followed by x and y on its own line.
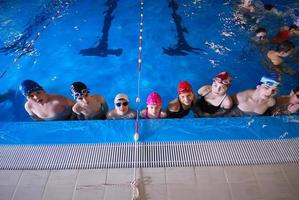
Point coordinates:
pixel 154 107
pixel 42 106
pixel 88 106
pixel 181 106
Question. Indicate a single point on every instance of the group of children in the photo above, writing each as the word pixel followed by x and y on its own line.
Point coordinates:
pixel 274 57
pixel 211 101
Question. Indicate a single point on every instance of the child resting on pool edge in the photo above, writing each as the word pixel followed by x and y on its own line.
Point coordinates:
pixel 88 106
pixel 153 109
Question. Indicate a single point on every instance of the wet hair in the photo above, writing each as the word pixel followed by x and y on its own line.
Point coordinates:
pixel 260 29
pixel 293 26
pixel 268 6
pixel 296 89
pixel 286 46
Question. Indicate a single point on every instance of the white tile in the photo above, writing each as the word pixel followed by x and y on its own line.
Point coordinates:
pixel 62 177
pixel 150 176
pixel 89 193
pixel 92 177
pixel 9 177
pixel 32 178
pixel 120 176
pixel 154 192
pixel 246 191
pixel 6 192
pixel 182 191
pixel 292 173
pixel 239 174
pixel 28 193
pixel 210 175
pixel 58 192
pixel 214 191
pixel 114 192
pixel 269 173
pixel 272 189
pixel 182 175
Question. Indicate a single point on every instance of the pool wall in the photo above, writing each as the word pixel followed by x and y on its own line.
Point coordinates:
pixel 166 130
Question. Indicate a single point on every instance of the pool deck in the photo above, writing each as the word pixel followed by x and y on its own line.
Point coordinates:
pixel 256 182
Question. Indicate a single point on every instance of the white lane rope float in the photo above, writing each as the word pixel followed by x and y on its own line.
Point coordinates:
pixel 134 182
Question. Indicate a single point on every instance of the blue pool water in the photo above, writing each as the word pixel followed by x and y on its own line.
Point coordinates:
pixel 97 42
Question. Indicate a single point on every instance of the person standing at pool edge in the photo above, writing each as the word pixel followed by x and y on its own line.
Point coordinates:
pixel 42 106
pixel 88 106
pixel 181 106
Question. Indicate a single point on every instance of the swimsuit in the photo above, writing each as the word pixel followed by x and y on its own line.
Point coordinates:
pixel 236 112
pixel 208 107
pixel 147 116
pixel 179 114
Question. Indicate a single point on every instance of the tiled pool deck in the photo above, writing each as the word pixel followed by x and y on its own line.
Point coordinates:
pixel 258 182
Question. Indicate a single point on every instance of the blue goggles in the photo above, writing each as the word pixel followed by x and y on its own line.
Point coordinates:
pixel 269 82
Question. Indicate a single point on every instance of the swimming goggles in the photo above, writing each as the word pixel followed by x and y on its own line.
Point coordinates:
pixel 223 81
pixel 183 90
pixel 269 82
pixel 82 93
pixel 120 103
pixel 297 95
pixel 261 37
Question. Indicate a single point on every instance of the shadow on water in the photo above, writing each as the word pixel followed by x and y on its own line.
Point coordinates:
pixel 23 43
pixel 182 46
pixel 102 49
pixel 14 100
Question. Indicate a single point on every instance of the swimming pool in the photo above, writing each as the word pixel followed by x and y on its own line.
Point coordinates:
pixel 97 43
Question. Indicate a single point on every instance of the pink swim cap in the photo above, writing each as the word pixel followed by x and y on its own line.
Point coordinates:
pixel 154 99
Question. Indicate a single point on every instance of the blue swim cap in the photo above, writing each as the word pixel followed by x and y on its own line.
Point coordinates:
pixel 29 86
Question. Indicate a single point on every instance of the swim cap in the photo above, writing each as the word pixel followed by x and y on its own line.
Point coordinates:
pixel 154 99
pixel 184 87
pixel 223 78
pixel 29 86
pixel 121 96
pixel 270 81
pixel 78 89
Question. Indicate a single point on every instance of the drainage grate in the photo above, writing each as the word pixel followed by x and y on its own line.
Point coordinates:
pixel 158 154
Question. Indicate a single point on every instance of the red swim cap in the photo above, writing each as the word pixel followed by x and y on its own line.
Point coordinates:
pixel 184 87
pixel 223 78
pixel 281 37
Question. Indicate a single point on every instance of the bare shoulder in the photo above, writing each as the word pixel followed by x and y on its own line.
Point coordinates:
pixel 28 107
pixel 99 98
pixel 174 105
pixel 110 114
pixel 61 99
pixel 227 102
pixel 142 113
pixel 244 94
pixel 271 102
pixel 163 114
pixel 204 90
pixel 76 108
